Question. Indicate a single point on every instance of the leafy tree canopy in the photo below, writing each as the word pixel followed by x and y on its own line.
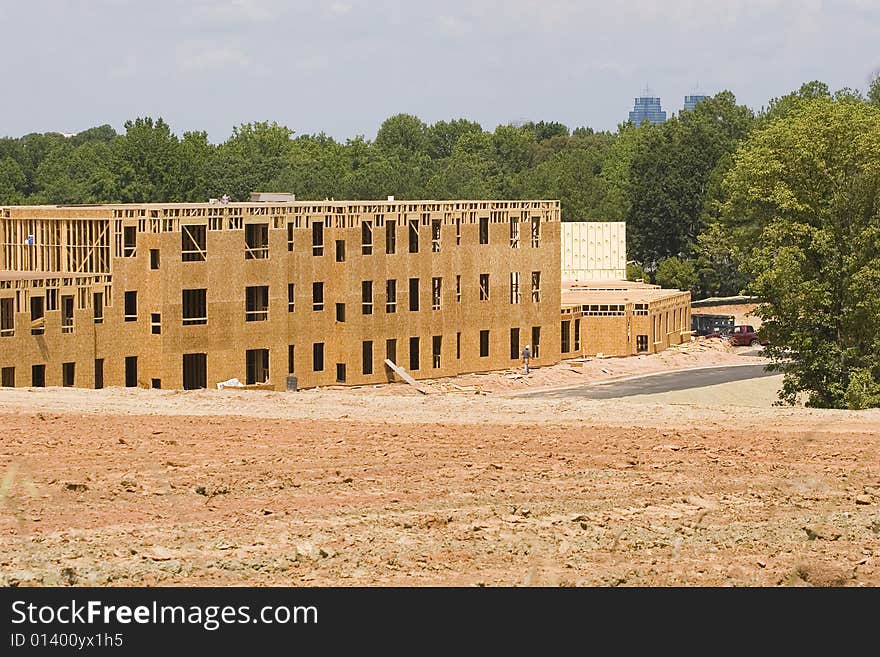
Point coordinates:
pixel 670 174
pixel 676 273
pixel 444 135
pixel 809 182
pixel 403 134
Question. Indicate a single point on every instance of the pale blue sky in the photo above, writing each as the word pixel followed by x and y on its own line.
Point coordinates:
pixel 343 66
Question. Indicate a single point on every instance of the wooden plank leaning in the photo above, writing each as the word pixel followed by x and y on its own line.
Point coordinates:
pixel 403 374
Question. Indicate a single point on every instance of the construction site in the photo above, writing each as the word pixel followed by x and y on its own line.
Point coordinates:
pixel 189 295
pixel 378 425
pixel 266 293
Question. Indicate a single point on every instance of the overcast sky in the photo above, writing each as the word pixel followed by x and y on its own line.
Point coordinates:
pixel 343 66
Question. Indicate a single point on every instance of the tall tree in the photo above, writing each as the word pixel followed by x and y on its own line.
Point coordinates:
pixel 874 90
pixel 572 175
pixel 146 159
pixel 104 133
pixel 82 174
pixel 513 148
pixel 195 153
pixel 811 182
pixel 718 263
pixel 670 172
pixel 676 273
pixel 544 130
pixel 251 157
pixel 462 175
pixel 616 167
pixel 12 182
pixel 403 134
pixel 315 167
pixel 780 107
pixel 30 150
pixel 444 135
pixel 513 151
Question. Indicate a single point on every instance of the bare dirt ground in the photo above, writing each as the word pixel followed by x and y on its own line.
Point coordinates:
pixel 384 486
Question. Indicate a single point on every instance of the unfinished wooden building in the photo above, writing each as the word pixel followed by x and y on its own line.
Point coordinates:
pixel 593 251
pixel 189 295
pixel 622 318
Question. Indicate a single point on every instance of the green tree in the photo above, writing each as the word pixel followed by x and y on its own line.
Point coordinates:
pixel 779 108
pixel 863 390
pixel 195 152
pixel 403 134
pixel 103 133
pixel 676 273
pixel 547 130
pixel 260 140
pixel 848 93
pixel 314 168
pixel 247 161
pixel 874 90
pixel 146 159
pixel 550 148
pixel 375 172
pixel 809 182
pixel 513 152
pixel 29 151
pixel 572 175
pixel 12 182
pixel 444 135
pixel 463 175
pixel 616 167
pixel 718 263
pixel 82 174
pixel 670 173
pixel 375 178
pixel 476 143
pixel 513 148
pixel 635 272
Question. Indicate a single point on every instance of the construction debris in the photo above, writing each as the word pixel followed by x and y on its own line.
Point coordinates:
pixel 238 385
pixel 403 374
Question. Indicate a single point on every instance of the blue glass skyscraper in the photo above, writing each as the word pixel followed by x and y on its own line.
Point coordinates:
pixel 647 108
pixel 690 102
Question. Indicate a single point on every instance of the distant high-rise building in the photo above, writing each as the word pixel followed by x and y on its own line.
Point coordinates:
pixel 647 108
pixel 690 102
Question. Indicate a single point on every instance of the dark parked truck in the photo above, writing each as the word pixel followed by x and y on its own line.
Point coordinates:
pixel 745 335
pixel 712 325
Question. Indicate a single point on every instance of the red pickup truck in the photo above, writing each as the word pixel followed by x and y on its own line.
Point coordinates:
pixel 745 335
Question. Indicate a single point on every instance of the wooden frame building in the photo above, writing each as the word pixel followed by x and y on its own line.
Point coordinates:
pixel 622 318
pixel 189 295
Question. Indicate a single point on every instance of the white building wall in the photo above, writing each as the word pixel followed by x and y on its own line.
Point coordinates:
pixel 593 251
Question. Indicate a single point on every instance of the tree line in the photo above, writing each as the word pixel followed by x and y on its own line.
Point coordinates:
pixel 783 203
pixel 408 158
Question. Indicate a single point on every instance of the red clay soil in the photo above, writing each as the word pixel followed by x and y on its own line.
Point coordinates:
pixel 339 489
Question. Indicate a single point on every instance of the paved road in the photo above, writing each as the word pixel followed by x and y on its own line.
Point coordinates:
pixel 658 383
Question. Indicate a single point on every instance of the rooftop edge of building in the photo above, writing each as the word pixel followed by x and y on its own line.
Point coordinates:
pixel 496 203
pixel 590 292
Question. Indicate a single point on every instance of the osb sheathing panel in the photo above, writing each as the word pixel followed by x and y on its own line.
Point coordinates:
pixel 225 275
pixel 112 340
pixel 667 323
